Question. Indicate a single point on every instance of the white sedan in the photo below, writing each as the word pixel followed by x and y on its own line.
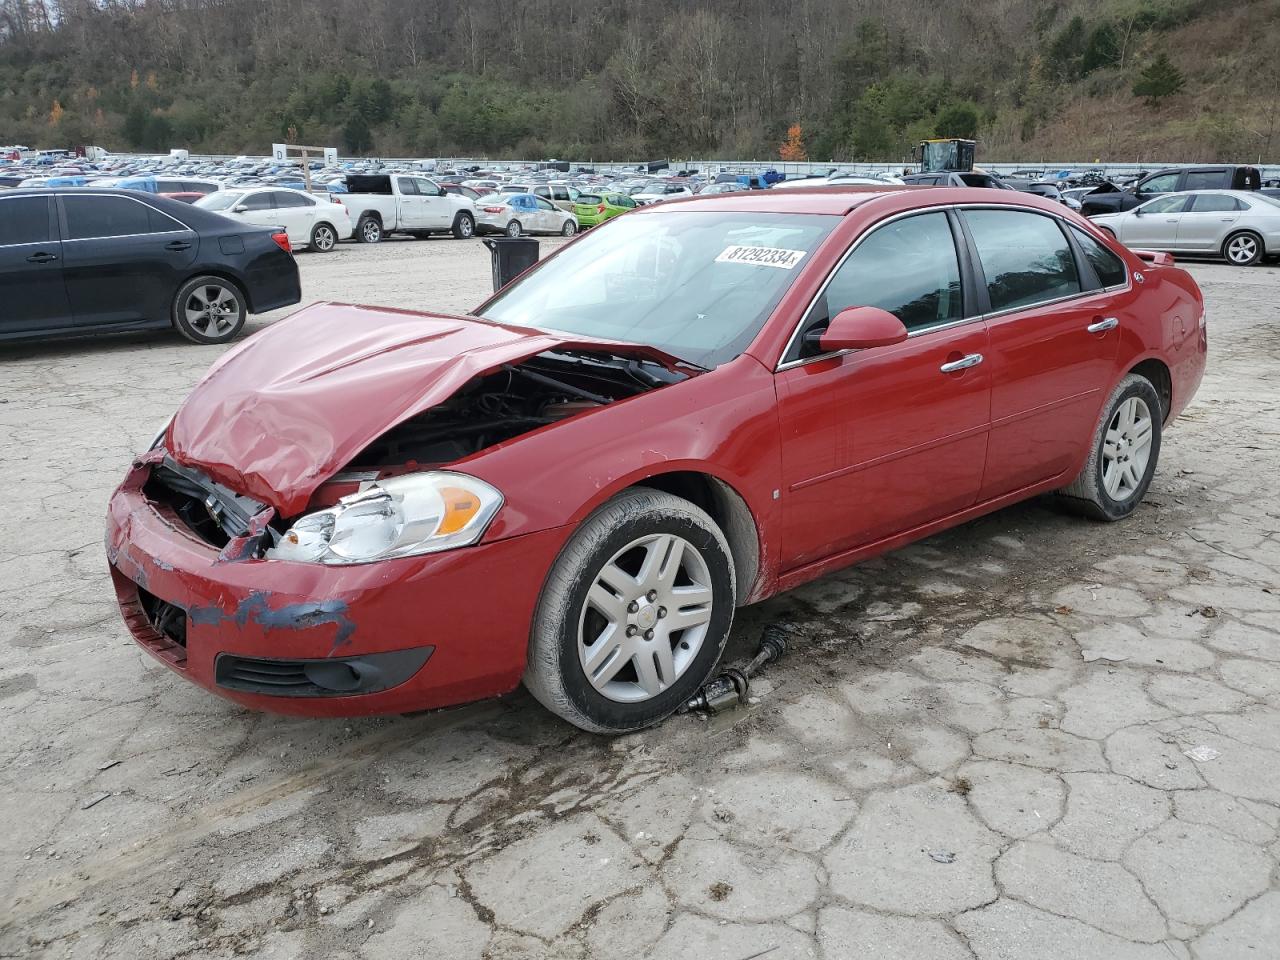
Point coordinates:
pixel 1240 226
pixel 311 222
pixel 658 192
pixel 515 214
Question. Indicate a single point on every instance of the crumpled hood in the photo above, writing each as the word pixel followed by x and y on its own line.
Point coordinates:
pixel 288 408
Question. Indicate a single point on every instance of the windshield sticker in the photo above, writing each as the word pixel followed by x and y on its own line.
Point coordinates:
pixel 762 256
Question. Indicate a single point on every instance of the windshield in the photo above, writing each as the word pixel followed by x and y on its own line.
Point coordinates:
pixel 697 285
pixel 223 200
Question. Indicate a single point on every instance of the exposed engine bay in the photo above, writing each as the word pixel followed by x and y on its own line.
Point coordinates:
pixel 513 400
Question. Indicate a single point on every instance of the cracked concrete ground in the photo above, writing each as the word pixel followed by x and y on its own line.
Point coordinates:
pixel 1031 737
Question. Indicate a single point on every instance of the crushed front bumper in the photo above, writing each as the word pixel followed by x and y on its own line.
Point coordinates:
pixel 387 637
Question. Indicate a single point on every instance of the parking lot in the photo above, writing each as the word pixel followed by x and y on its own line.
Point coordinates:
pixel 1030 737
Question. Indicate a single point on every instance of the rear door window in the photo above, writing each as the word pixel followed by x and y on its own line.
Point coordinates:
pixel 1205 180
pixel 24 220
pixel 98 217
pixel 407 186
pixel 257 201
pixel 1024 257
pixel 1215 203
pixel 291 198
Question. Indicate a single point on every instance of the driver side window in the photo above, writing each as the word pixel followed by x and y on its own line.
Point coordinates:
pixel 908 267
pixel 1161 184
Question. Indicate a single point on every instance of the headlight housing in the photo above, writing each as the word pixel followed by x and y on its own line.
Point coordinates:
pixel 398 517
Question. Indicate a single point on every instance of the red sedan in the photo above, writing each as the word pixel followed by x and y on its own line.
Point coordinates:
pixel 687 410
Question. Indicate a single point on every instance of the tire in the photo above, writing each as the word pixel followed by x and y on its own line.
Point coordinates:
pixel 1243 249
pixel 634 688
pixel 323 238
pixel 464 226
pixel 369 230
pixel 569 229
pixel 1099 492
pixel 514 229
pixel 209 310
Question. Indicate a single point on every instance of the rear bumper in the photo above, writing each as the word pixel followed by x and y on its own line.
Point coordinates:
pixel 273 282
pixel 432 631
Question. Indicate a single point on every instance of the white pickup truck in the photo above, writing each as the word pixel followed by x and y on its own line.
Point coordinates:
pixel 380 204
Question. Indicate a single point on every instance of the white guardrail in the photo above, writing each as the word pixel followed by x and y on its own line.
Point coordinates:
pixel 791 170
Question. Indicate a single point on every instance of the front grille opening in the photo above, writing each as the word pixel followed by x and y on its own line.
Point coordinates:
pixel 166 619
pixel 189 507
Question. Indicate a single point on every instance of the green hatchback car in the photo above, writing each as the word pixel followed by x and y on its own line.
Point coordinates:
pixel 595 208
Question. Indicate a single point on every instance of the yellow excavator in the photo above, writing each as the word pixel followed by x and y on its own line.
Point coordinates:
pixel 945 156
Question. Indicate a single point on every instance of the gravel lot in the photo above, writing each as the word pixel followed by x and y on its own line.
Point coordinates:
pixel 1032 737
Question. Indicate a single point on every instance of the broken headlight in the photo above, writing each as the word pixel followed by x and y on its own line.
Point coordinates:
pixel 397 517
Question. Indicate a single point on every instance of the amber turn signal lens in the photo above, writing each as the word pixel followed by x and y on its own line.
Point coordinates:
pixel 459 507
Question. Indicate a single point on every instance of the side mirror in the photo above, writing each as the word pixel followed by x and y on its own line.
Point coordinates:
pixel 1137 212
pixel 860 328
pixel 240 209
pixel 441 192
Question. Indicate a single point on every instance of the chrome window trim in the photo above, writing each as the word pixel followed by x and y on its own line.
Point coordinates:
pixel 995 314
pixel 182 227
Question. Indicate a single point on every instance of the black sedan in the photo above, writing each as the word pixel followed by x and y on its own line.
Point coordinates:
pixel 76 261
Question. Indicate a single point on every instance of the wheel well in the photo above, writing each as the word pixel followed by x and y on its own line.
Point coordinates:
pixel 1243 230
pixel 221 275
pixel 1156 372
pixel 370 215
pixel 730 512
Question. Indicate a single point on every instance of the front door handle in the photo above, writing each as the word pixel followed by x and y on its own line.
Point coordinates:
pixel 1102 326
pixel 964 363
pixel 177 245
pixel 42 257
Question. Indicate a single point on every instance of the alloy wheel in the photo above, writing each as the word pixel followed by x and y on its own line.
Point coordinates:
pixel 211 309
pixel 645 618
pixel 1126 449
pixel 1242 249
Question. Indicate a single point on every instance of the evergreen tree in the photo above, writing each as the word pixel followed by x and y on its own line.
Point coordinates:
pixel 1160 79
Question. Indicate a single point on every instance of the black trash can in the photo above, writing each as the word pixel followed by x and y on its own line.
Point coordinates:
pixel 512 256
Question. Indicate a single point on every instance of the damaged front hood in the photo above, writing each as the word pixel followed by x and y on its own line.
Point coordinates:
pixel 280 414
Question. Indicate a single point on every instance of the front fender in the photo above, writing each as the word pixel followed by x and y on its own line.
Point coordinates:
pixel 722 423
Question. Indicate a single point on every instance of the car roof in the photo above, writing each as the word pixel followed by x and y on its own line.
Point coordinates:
pixel 842 200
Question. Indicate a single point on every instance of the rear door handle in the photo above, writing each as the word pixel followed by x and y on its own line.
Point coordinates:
pixel 177 246
pixel 964 363
pixel 42 257
pixel 1102 326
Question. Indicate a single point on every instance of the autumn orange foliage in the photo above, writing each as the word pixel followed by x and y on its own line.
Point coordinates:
pixel 792 148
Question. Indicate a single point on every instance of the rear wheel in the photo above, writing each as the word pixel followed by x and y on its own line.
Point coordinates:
pixel 464 226
pixel 1125 451
pixel 369 230
pixel 634 614
pixel 514 229
pixel 1243 249
pixel 569 229
pixel 209 310
pixel 323 238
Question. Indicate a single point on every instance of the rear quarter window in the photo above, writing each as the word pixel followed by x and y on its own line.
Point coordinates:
pixel 1110 269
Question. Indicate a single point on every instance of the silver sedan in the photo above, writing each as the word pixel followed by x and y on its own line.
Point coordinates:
pixel 1240 226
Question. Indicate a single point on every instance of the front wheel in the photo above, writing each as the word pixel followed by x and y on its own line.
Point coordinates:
pixel 209 310
pixel 1122 460
pixel 514 229
pixel 634 614
pixel 1243 249
pixel 464 227
pixel 569 229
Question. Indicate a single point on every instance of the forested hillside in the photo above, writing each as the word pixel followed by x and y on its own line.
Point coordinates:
pixel 622 79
